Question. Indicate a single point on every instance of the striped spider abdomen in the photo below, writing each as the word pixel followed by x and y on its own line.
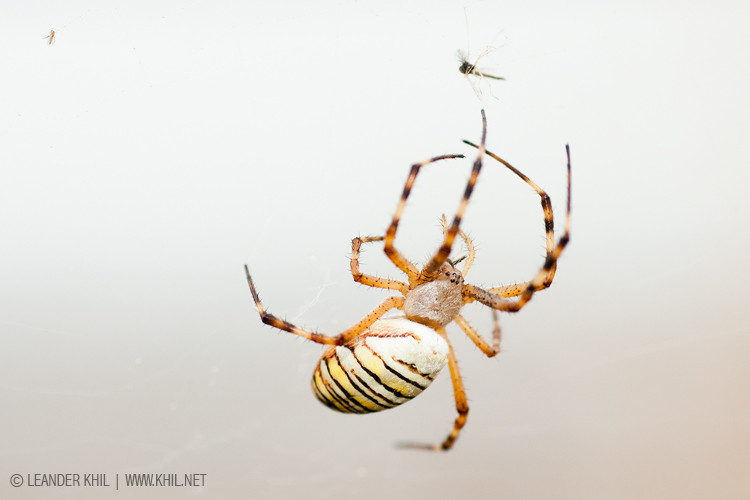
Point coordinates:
pixel 390 363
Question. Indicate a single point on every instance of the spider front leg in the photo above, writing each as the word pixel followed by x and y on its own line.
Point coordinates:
pixel 462 405
pixel 378 282
pixel 340 339
pixel 549 227
pixel 430 270
pixel 494 296
pixel 394 255
pixel 367 279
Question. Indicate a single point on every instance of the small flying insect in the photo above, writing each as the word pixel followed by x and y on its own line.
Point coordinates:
pixel 468 68
pixel 51 37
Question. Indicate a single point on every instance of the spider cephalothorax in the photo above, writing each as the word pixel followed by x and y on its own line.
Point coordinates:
pixel 436 303
pixel 379 363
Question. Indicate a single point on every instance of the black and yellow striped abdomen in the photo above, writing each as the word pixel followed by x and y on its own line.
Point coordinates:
pixel 389 364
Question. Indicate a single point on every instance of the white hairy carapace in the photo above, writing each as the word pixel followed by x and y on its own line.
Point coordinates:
pixel 395 359
pixel 436 303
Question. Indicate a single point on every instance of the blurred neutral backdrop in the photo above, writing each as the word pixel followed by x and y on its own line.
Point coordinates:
pixel 156 147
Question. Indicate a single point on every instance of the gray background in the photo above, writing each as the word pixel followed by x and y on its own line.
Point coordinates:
pixel 158 146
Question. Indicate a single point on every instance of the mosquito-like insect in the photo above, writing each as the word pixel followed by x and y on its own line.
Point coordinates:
pixel 51 37
pixel 468 68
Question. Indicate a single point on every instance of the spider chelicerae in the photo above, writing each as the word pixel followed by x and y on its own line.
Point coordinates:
pixel 379 363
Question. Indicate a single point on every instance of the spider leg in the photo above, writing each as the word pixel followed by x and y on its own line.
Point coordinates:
pixel 495 301
pixel 496 330
pixel 367 279
pixel 394 255
pixel 462 406
pixel 431 269
pixel 489 350
pixel 549 227
pixel 340 339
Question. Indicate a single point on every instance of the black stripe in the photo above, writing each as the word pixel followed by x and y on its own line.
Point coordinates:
pixel 405 379
pixel 349 397
pixel 335 397
pixel 549 263
pixel 413 368
pixel 321 397
pixel 389 404
pixel 356 385
pixel 319 393
pixel 549 225
pixel 393 371
pixel 393 391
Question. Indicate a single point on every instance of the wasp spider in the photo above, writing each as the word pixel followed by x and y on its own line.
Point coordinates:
pixel 379 363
